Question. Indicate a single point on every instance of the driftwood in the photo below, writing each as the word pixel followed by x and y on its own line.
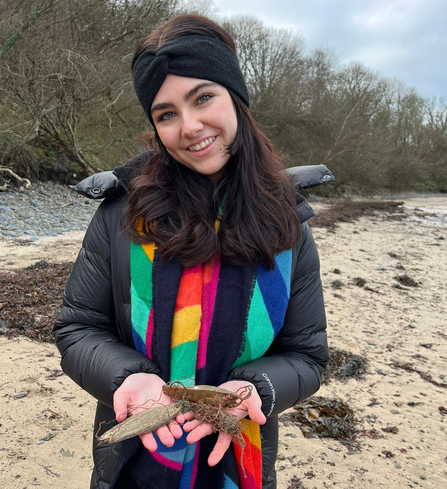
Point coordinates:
pixel 24 181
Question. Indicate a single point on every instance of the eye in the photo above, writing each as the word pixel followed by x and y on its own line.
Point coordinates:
pixel 204 98
pixel 165 116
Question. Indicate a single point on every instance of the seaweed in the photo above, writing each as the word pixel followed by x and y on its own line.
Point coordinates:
pixel 31 299
pixel 325 418
pixel 409 368
pixel 406 281
pixel 351 211
pixel 342 365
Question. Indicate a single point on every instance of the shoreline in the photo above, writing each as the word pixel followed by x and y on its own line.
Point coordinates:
pixel 46 434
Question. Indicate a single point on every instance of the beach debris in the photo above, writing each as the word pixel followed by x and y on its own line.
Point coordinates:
pixel 394 255
pixel 390 429
pixel 418 356
pixel 388 454
pixel 38 264
pixel 342 365
pixel 373 434
pixel 360 282
pixel 295 483
pixel 53 373
pixel 337 284
pixel 143 422
pixel 336 419
pixel 409 368
pixel 406 280
pixel 48 471
pixel 208 403
pixel 23 183
pixel 208 394
pixel 32 299
pixel 20 395
pixel 351 211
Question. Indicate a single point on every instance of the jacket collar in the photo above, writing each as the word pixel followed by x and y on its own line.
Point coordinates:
pixel 116 183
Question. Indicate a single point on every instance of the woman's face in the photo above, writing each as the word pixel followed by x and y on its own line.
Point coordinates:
pixel 196 121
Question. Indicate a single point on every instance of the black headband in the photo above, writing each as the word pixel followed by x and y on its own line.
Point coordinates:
pixel 193 56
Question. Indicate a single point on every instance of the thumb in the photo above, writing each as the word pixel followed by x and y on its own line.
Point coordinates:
pixel 120 407
pixel 256 414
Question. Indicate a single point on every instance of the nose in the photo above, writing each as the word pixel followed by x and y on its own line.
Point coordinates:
pixel 191 125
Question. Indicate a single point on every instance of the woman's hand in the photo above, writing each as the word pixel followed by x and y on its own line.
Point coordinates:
pixel 143 391
pixel 250 407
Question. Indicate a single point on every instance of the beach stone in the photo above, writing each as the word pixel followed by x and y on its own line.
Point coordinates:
pixel 38 211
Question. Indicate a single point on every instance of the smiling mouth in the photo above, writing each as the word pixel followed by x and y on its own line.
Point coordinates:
pixel 202 145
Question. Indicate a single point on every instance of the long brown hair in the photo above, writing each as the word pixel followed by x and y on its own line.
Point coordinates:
pixel 177 208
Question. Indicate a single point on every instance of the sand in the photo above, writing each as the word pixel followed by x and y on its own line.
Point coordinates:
pixel 46 420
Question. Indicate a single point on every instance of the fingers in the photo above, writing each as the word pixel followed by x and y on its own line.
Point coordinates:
pixel 175 429
pixel 189 416
pixel 197 431
pixel 221 446
pixel 164 435
pixel 148 441
pixel 191 425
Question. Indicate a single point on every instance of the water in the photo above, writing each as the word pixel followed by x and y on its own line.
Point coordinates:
pixel 429 211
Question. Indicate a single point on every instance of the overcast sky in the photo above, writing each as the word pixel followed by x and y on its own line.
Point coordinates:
pixel 406 39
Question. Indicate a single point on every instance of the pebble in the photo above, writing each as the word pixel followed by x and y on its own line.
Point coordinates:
pixel 37 212
pixel 21 395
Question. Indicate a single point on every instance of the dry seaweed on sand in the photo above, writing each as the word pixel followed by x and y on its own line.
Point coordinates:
pixel 325 418
pixel 351 211
pixel 295 483
pixel 406 281
pixel 409 368
pixel 31 299
pixel 342 365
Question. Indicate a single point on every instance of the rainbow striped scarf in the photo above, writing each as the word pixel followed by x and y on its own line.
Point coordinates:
pixel 197 324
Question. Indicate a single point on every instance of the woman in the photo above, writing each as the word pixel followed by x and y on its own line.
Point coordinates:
pixel 223 278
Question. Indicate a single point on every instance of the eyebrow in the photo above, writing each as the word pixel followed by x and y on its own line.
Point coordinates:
pixel 194 90
pixel 191 93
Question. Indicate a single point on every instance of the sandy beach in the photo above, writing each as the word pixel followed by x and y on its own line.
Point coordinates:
pixel 385 285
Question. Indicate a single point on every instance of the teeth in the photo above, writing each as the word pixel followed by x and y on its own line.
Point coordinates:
pixel 202 145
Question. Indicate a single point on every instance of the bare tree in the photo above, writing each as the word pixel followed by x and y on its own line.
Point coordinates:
pixel 65 76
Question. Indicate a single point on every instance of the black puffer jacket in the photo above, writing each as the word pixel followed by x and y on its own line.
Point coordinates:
pixel 93 331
